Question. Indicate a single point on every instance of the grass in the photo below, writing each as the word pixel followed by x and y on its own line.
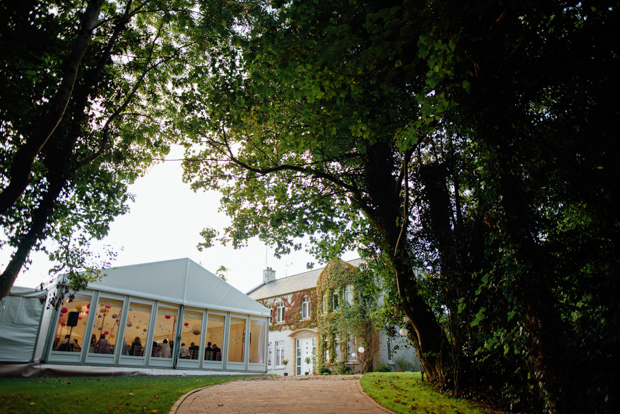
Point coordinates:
pixel 98 394
pixel 403 392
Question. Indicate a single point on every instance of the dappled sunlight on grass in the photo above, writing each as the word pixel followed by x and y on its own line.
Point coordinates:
pixel 403 392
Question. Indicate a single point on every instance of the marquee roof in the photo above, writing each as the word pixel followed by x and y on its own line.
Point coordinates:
pixel 179 281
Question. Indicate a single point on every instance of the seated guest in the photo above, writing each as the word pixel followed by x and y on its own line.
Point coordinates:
pixel 136 347
pixel 56 343
pixel 76 345
pixel 217 353
pixel 193 349
pixel 184 351
pixel 158 352
pixel 209 352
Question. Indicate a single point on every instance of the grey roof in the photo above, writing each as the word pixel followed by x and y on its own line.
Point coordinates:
pixel 290 284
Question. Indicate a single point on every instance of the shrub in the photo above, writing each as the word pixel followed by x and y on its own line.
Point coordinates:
pixel 403 364
pixel 324 370
pixel 342 369
pixel 383 367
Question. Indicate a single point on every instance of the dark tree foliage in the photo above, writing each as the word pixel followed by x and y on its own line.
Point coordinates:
pixel 466 148
pixel 84 111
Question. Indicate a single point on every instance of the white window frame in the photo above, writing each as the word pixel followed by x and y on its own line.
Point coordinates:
pixel 324 303
pixel 280 313
pixel 335 304
pixel 305 308
pixel 348 294
pixel 270 307
pixel 351 349
pixel 337 357
pixel 279 354
pixel 269 356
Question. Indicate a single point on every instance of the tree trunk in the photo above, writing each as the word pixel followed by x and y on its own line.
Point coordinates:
pixel 39 221
pixel 428 337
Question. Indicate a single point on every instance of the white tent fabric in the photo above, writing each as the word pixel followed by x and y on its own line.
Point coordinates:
pixel 179 281
pixel 27 328
pixel 19 324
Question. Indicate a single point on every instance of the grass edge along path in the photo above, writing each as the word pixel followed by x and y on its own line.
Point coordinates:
pixel 96 395
pixel 403 392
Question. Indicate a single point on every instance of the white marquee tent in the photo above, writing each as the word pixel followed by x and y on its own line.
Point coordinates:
pixel 171 315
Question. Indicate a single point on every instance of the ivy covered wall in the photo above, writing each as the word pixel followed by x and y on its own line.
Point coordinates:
pixel 349 320
pixel 292 310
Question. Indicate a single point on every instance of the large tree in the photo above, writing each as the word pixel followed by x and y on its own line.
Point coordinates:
pixel 84 106
pixel 447 137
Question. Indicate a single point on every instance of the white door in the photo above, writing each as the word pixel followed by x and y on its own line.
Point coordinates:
pixel 304 350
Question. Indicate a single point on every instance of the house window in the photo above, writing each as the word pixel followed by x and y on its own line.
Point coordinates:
pixel 314 348
pixel 352 354
pixel 390 350
pixel 280 313
pixel 336 301
pixel 270 307
pixel 298 355
pixel 326 351
pixel 305 308
pixel 325 304
pixel 348 294
pixel 279 354
pixel 269 356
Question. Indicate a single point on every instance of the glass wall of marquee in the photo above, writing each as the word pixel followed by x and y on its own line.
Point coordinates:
pixel 100 328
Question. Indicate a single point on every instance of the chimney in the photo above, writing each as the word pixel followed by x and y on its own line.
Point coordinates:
pixel 269 275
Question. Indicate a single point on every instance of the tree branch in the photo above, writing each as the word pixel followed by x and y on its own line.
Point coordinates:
pixel 21 167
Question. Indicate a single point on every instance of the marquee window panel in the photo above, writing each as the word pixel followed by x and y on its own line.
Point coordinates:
pixel 106 326
pixel 165 328
pixel 137 329
pixel 71 338
pixel 215 337
pixel 236 340
pixel 191 332
pixel 257 342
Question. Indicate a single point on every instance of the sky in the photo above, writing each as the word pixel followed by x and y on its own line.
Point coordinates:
pixel 164 223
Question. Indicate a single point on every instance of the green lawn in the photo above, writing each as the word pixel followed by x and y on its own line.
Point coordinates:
pixel 403 392
pixel 98 394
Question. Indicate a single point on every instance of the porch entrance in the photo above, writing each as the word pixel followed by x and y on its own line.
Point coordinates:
pixel 305 348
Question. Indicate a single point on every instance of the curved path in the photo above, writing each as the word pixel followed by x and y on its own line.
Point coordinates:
pixel 325 395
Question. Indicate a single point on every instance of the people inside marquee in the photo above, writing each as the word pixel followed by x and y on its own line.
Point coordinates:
pixel 102 346
pixel 184 351
pixel 165 349
pixel 209 352
pixel 193 349
pixel 217 353
pixel 136 347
